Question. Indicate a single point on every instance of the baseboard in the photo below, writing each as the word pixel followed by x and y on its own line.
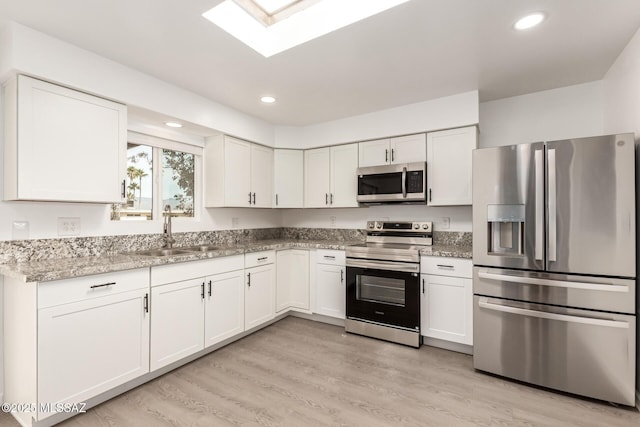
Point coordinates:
pixel 318 318
pixel 448 345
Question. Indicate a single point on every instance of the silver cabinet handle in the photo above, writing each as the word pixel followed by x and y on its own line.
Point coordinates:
pixel 146 303
pixel 483 303
pixel 209 287
pixel 249 197
pixel 331 198
pixel 386 155
pixel 102 285
pixel 552 283
pixel 202 292
pixel 551 158
pixel 276 200
pixel 123 188
pixel 423 286
pixel 444 266
pixel 404 180
pixel 326 198
pixel 329 257
pixel 341 276
pixel 539 204
pixel 392 154
pixel 262 258
pixel 429 194
pixel 249 279
pixel 254 198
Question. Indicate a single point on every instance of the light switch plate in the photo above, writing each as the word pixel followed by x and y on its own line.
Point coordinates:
pixel 68 226
pixel 332 221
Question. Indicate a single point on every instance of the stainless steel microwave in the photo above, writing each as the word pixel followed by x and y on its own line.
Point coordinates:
pixel 400 183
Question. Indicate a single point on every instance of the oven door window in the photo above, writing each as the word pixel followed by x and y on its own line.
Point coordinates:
pixel 381 290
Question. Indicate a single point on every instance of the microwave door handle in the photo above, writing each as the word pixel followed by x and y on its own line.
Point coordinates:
pixel 404 183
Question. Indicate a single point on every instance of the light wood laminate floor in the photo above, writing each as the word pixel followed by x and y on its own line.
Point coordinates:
pixel 303 373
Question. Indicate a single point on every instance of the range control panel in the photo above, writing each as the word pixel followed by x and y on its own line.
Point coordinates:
pixel 402 226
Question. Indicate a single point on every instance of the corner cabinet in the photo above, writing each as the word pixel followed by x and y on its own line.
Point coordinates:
pixel 389 151
pixel 61 144
pixel 237 173
pixel 447 299
pixel 330 179
pixel 449 155
pixel 292 284
pixel 288 178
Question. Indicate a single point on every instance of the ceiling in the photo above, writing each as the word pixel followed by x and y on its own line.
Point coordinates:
pixel 420 50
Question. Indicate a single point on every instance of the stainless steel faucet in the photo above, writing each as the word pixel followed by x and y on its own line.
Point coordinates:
pixel 168 236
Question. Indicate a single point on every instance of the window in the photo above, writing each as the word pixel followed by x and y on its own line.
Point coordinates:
pixel 148 190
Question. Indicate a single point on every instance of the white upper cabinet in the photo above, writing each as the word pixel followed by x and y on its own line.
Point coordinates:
pixel 402 149
pixel 288 178
pixel 330 178
pixel 449 166
pixel 237 173
pixel 61 144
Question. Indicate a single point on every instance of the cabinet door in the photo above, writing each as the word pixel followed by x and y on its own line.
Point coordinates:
pixel 288 178
pixel 449 166
pixel 344 181
pixel 374 153
pixel 237 176
pixel 224 307
pixel 292 284
pixel 446 309
pixel 177 321
pixel 71 146
pixel 409 149
pixel 330 290
pixel 261 176
pixel 88 347
pixel 259 297
pixel 317 173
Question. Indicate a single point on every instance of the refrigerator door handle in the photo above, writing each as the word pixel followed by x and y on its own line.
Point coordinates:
pixel 553 283
pixel 551 158
pixel 539 202
pixel 484 303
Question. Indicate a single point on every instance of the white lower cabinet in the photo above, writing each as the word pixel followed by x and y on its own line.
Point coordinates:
pixel 447 299
pixel 260 290
pixel 330 285
pixel 224 307
pixel 292 280
pixel 201 310
pixel 177 325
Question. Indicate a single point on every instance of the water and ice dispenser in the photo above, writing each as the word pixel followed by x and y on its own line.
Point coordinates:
pixel 506 230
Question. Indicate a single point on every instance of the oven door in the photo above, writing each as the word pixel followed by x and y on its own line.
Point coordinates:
pixel 392 183
pixel 384 292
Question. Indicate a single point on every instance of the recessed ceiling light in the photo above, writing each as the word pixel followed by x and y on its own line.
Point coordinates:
pixel 173 124
pixel 529 21
pixel 268 99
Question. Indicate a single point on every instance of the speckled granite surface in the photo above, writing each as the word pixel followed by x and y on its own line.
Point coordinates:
pixel 52 259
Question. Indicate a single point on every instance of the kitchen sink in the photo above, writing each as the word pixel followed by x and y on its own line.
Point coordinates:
pixel 164 252
pixel 201 248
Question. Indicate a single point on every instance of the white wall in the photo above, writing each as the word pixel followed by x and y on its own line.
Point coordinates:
pixel 567 112
pixel 442 113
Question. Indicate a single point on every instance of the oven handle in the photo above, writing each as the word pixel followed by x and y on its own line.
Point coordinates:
pixel 404 267
pixel 553 283
pixel 484 303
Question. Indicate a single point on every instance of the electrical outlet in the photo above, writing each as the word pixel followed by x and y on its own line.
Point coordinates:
pixel 444 223
pixel 235 222
pixel 20 230
pixel 332 221
pixel 68 226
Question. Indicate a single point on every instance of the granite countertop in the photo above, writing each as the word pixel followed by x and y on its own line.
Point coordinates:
pixel 65 268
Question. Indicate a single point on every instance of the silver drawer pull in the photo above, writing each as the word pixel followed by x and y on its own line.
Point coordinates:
pixel 444 266
pixel 262 258
pixel 329 257
pixel 102 286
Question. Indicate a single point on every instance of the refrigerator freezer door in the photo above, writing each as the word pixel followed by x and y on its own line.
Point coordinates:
pixel 579 351
pixel 591 206
pixel 508 206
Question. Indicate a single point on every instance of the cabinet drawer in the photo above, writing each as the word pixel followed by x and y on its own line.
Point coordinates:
pixel 255 259
pixel 331 257
pixel 98 285
pixel 443 266
pixel 171 273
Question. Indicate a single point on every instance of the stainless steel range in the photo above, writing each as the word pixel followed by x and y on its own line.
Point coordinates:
pixel 383 281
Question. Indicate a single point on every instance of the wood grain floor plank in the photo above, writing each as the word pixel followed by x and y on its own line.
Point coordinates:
pixel 303 373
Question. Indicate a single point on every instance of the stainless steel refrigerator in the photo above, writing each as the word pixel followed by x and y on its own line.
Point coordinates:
pixel 554 253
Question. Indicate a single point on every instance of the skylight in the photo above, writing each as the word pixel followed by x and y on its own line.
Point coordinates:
pixel 272 26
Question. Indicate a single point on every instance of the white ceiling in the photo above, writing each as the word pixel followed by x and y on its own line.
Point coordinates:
pixel 420 50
